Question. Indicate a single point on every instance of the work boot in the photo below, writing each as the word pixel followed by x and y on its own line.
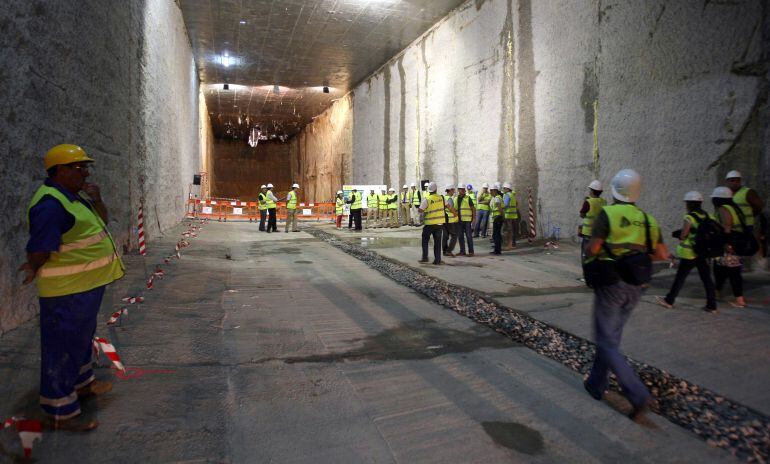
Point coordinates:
pixel 424 260
pixel 95 388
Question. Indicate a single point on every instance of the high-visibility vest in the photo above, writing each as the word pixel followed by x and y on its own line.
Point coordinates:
pixel 262 198
pixel 685 248
pixel 434 213
pixel 595 205
pixel 87 257
pixel 339 207
pixel 383 197
pixel 627 231
pixel 405 196
pixel 394 203
pixel 292 202
pixel 416 197
pixel 495 211
pixel 269 201
pixel 737 227
pixel 510 211
pixel 464 204
pixel 482 201
pixel 739 198
pixel 372 201
pixel 451 218
pixel 356 197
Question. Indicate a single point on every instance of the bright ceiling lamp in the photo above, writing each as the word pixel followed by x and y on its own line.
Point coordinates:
pixel 226 60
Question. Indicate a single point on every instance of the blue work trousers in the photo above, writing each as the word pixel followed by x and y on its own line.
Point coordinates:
pixel 482 217
pixel 67 327
pixel 612 308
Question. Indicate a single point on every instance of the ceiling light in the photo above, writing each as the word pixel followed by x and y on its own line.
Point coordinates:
pixel 242 22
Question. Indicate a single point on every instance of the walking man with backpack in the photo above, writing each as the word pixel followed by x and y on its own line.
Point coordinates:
pixel 695 237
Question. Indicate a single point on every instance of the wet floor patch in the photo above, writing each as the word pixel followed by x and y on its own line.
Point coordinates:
pixel 303 262
pixel 515 436
pixel 387 242
pixel 414 340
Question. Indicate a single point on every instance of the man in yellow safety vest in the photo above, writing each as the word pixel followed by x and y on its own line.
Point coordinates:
pixel 747 199
pixel 510 217
pixel 592 205
pixel 372 208
pixel 432 209
pixel 291 210
pixel 262 205
pixel 73 258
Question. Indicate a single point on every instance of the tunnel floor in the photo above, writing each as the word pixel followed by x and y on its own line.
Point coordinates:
pixel 282 348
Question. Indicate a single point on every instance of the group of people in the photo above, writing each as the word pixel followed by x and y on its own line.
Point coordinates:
pixel 458 216
pixel 266 203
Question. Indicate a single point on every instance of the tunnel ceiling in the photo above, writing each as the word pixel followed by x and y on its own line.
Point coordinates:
pixel 298 45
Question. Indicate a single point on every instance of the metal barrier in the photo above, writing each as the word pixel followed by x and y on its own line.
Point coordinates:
pixel 237 210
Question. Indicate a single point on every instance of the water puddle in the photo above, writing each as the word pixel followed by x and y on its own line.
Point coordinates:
pixel 515 436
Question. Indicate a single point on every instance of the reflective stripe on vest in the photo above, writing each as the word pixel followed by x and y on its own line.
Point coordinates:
pixel 736 219
pixel 87 257
pixel 292 203
pixel 416 197
pixel 269 201
pixel 434 213
pixel 382 198
pixel 511 211
pixel 493 206
pixel 356 204
pixel 372 201
pixel 394 203
pixel 451 218
pixel 595 205
pixel 684 249
pixel 627 230
pixel 261 198
pixel 339 207
pixel 740 199
pixel 464 207
pixel 482 200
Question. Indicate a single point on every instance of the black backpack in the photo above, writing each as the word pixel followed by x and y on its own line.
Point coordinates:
pixel 744 243
pixel 709 238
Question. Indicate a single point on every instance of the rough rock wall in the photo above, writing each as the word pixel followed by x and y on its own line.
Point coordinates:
pixel 321 153
pixel 115 77
pixel 239 170
pixel 206 138
pixel 550 95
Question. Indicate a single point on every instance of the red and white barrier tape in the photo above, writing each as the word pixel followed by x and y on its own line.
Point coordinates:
pixel 132 299
pixel 532 230
pixel 116 315
pixel 29 430
pixel 142 247
pixel 109 350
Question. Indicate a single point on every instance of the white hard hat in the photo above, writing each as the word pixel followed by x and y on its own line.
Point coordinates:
pixel 507 185
pixel 339 192
pixel 627 185
pixel 432 186
pixel 391 189
pixel 595 185
pixel 413 184
pixel 263 186
pixel 405 186
pixel 426 184
pixel 485 185
pixel 295 186
pixel 496 186
pixel 461 186
pixel 693 196
pixel 733 175
pixel 269 186
pixel 722 192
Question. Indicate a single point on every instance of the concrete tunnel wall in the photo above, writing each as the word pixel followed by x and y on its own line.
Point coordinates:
pixel 550 94
pixel 115 77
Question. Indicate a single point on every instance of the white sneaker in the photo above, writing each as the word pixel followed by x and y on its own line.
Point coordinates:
pixel 662 302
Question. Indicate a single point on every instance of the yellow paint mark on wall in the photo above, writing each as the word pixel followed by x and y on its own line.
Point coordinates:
pixel 596 139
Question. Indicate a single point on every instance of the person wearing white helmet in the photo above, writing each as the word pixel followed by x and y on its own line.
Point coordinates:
pixel 432 209
pixel 291 209
pixel 466 210
pixel 510 217
pixel 382 205
pixel 403 206
pixel 497 214
pixel 424 193
pixel 392 201
pixel 624 241
pixel 270 202
pixel 745 198
pixel 728 266
pixel 415 199
pixel 355 202
pixel 482 211
pixel 451 222
pixel 689 258
pixel 372 209
pixel 592 204
pixel 339 208
pixel 262 207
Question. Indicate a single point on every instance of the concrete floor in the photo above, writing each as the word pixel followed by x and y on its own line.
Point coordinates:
pixel 292 351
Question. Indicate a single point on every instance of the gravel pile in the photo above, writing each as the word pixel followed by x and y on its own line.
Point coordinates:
pixel 721 422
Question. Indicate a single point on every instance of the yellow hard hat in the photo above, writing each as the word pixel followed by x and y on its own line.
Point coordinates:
pixel 65 154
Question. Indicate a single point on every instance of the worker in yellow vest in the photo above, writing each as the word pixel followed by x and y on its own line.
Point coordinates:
pixel 432 210
pixel 382 204
pixel 72 257
pixel 510 217
pixel 392 202
pixel 262 206
pixel 745 198
pixel 415 198
pixel 372 207
pixel 339 208
pixel 424 193
pixel 466 209
pixel 624 240
pixel 482 211
pixel 592 205
pixel 404 206
pixel 496 213
pixel 271 200
pixel 451 223
pixel 291 210
pixel 729 265
pixel 688 258
pixel 355 202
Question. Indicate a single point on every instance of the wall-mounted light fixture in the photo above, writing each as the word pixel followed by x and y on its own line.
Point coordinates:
pixel 276 89
pixel 226 87
pixel 326 89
